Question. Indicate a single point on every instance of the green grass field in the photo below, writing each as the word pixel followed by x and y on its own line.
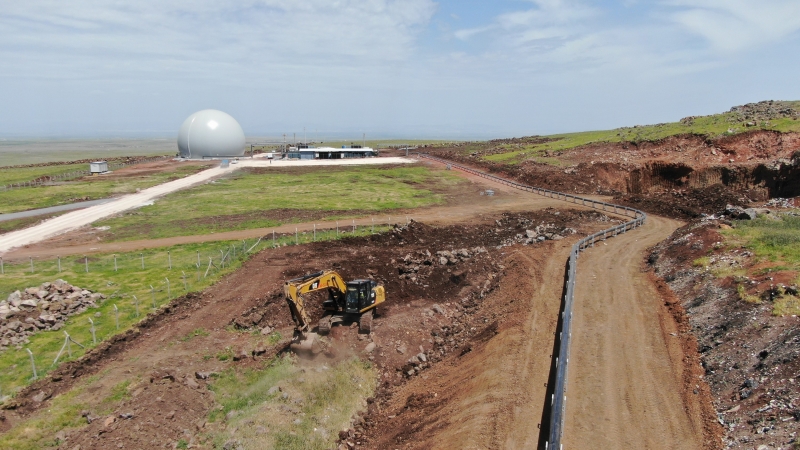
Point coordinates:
pixel 245 199
pixel 90 188
pixel 23 174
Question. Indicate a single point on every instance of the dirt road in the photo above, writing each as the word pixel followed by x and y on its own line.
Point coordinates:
pixel 625 387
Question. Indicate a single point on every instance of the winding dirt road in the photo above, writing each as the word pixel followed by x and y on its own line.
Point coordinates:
pixel 625 387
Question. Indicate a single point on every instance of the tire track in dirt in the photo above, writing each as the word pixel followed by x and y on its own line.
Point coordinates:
pixel 625 387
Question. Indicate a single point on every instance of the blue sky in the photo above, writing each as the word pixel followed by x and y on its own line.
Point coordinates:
pixel 405 68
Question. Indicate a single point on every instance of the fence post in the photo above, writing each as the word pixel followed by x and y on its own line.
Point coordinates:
pixel 354 226
pixel 94 338
pixel 198 259
pixel 142 256
pixel 136 305
pixel 59 264
pixel 169 293
pixel 116 315
pixel 115 262
pixel 86 262
pixel 33 364
pixel 169 260
pixel 337 228
pixel 295 236
pixel 184 281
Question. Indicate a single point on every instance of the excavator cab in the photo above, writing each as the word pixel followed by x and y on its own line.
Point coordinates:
pixel 360 295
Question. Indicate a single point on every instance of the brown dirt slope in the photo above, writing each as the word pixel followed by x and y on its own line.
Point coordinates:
pixel 491 394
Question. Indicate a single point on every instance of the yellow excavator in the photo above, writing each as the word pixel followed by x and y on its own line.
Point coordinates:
pixel 347 301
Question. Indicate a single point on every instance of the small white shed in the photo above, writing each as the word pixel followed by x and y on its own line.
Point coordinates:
pixel 98 167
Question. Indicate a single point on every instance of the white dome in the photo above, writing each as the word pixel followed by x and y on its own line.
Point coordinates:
pixel 210 133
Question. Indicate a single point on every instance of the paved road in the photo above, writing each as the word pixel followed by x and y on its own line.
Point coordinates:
pixel 52 209
pixel 76 219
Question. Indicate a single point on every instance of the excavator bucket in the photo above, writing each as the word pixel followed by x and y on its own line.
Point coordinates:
pixel 306 344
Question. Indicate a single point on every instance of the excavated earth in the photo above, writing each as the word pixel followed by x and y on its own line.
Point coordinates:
pixel 679 176
pixel 458 299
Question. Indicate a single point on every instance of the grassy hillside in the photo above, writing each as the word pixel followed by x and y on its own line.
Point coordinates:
pixel 753 117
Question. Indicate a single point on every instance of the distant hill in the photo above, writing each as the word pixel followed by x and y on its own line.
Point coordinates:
pixel 783 116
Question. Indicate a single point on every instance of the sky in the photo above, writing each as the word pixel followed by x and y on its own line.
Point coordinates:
pixel 388 68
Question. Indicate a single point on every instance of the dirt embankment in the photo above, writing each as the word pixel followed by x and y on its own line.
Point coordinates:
pixel 680 176
pixel 749 356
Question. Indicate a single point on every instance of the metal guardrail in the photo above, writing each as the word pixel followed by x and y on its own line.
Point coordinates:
pixel 559 398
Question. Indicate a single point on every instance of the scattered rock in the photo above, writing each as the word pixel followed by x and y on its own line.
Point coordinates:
pixel 189 382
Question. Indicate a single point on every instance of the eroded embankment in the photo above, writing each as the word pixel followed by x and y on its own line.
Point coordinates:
pixel 748 352
pixel 680 176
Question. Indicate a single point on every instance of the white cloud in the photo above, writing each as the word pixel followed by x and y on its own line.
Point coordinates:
pixel 180 35
pixel 735 25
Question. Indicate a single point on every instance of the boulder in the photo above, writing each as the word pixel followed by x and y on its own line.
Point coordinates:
pixel 30 303
pixel 48 318
pixel 15 298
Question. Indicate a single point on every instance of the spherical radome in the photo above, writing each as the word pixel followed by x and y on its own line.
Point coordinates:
pixel 210 133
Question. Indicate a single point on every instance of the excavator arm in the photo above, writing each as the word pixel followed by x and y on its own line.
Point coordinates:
pixel 295 288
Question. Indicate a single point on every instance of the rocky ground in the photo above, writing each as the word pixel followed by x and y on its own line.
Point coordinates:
pixel 750 354
pixel 45 307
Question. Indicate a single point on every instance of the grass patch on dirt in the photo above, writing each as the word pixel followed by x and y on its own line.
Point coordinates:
pixel 128 287
pixel 776 238
pixel 291 404
pixel 86 188
pixel 63 413
pixel 244 200
pixel 18 224
pixel 786 305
